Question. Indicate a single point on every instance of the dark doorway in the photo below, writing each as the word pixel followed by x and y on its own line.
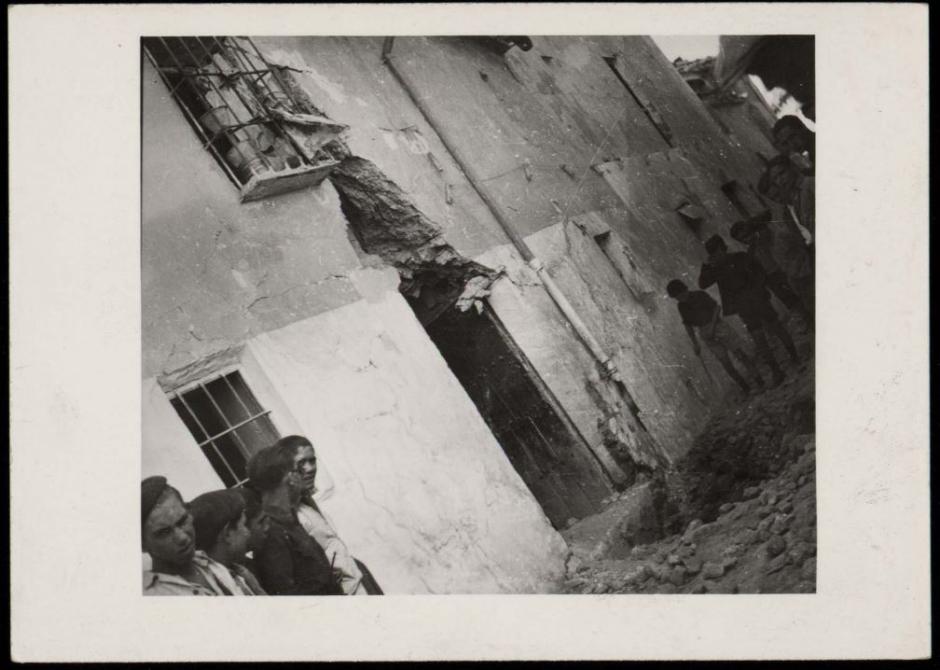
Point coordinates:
pixel 542 445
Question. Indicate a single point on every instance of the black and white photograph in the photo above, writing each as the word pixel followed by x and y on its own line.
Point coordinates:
pixel 514 317
pixel 478 314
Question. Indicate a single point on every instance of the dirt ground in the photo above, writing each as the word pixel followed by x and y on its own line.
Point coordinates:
pixel 736 515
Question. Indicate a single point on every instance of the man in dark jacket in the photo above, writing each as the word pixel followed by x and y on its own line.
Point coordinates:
pixel 743 288
pixel 756 234
pixel 290 562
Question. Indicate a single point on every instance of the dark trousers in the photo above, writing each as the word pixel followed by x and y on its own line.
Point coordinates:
pixel 779 285
pixel 760 317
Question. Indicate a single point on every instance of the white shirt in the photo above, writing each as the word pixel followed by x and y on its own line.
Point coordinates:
pixel 322 531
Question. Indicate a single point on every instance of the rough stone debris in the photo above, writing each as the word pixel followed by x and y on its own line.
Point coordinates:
pixel 756 535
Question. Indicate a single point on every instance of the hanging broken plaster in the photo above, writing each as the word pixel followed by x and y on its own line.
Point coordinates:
pixel 309 131
pixel 476 289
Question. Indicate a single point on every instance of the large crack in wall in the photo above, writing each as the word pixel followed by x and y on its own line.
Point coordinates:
pixel 386 224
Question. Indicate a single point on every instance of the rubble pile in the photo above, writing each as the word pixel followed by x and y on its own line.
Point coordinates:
pixel 748 444
pixel 743 505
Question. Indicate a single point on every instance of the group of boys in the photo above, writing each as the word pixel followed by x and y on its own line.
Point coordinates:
pixel 747 279
pixel 266 537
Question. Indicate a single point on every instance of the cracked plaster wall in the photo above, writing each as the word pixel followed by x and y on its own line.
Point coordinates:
pixel 423 492
pixel 215 271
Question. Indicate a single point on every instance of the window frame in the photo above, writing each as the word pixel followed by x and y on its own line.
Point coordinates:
pixel 251 80
pixel 230 428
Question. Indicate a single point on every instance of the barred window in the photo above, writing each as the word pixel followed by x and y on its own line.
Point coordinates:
pixel 246 113
pixel 227 422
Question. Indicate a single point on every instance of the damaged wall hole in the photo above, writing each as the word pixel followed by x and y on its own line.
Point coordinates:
pixel 446 292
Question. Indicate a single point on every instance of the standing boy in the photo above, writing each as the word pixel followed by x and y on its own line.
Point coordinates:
pixel 755 233
pixel 699 311
pixel 742 285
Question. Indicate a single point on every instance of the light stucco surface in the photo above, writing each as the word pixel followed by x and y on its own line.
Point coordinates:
pixel 423 492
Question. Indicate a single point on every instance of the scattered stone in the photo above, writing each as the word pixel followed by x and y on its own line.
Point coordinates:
pixel 750 492
pixel 808 571
pixel 641 551
pixel 764 511
pixel 785 506
pixel 725 508
pixel 687 550
pixel 692 564
pixel 777 563
pixel 672 559
pixel 798 553
pixel 695 523
pixel 712 570
pixel 746 537
pixel 699 588
pixel 699 532
pixel 636 575
pixel 666 588
pixel 676 576
pixel 658 572
pixel 729 563
pixel 775 546
pixel 572 521
pixel 768 497
pixel 780 525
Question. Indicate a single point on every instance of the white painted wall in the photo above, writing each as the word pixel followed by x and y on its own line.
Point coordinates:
pixel 169 449
pixel 423 492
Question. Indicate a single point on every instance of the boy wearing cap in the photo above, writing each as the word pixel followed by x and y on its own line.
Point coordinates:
pixel 168 535
pixel 222 533
pixel 700 312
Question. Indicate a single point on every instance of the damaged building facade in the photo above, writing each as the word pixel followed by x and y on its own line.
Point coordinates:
pixel 441 259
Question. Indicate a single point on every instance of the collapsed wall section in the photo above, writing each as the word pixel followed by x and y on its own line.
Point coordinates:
pixel 385 223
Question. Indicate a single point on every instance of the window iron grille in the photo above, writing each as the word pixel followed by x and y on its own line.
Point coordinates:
pixel 245 113
pixel 227 422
